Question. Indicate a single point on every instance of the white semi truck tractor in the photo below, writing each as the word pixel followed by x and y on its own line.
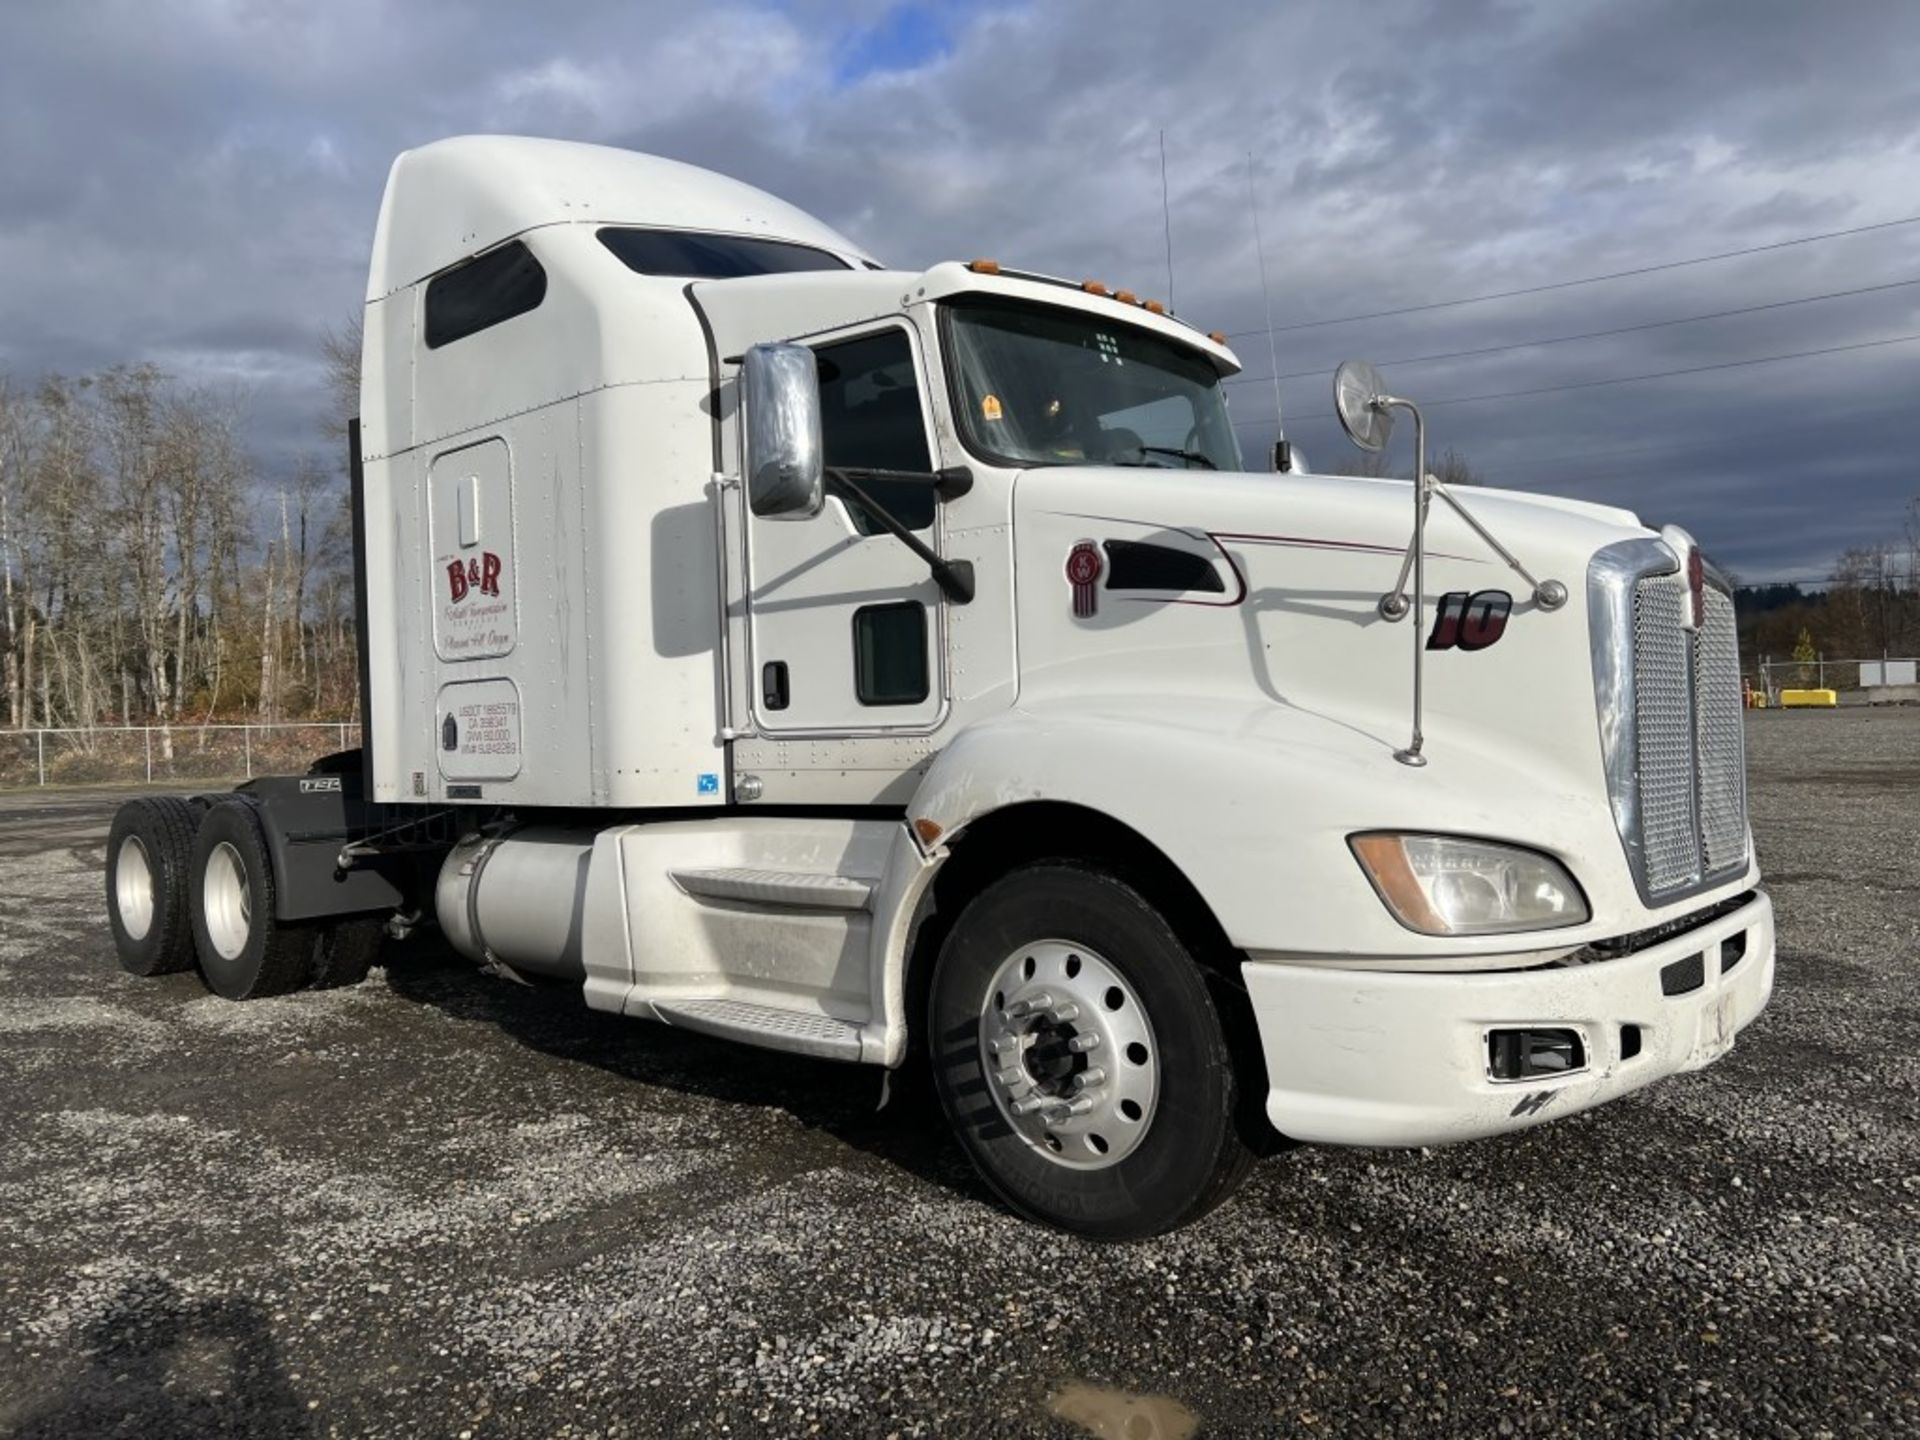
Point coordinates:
pixel 902 666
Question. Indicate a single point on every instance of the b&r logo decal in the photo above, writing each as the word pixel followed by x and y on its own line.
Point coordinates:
pixel 1470 621
pixel 482 575
pixel 1083 574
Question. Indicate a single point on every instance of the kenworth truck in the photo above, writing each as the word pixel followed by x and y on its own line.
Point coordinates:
pixel 890 666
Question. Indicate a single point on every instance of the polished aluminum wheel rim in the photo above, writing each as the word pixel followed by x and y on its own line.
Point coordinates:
pixel 133 887
pixel 227 901
pixel 1070 1054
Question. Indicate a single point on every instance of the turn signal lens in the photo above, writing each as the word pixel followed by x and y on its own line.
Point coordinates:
pixel 984 267
pixel 1446 885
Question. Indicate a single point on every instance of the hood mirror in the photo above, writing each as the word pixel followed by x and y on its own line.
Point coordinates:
pixel 1358 396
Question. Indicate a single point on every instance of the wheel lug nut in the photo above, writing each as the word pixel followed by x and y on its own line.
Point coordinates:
pixel 1090 1078
pixel 1066 1012
pixel 1030 1104
pixel 1080 1044
pixel 1003 1045
pixel 1008 1078
pixel 1060 1114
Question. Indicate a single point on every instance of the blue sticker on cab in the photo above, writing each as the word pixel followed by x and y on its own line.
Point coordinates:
pixel 709 784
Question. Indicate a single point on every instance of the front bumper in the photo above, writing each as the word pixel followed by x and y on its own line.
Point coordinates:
pixel 1400 1057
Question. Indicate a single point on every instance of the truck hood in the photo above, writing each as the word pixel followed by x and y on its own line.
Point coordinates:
pixel 1244 612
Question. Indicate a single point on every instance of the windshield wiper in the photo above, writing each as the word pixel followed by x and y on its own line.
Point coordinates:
pixel 1176 452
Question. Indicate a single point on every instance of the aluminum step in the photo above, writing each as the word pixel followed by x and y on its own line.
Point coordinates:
pixel 797 889
pixel 801 1032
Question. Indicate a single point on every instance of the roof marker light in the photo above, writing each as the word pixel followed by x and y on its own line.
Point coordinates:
pixel 1093 287
pixel 984 267
pixel 1154 307
pixel 1219 337
pixel 1126 297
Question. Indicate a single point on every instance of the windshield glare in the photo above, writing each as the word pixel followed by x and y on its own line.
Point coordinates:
pixel 1036 386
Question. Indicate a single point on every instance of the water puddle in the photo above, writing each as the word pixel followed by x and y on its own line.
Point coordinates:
pixel 1116 1415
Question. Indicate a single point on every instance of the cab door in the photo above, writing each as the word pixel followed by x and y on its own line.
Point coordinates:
pixel 846 630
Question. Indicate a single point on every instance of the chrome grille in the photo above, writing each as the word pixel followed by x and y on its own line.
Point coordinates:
pixel 1721 739
pixel 1671 721
pixel 1663 730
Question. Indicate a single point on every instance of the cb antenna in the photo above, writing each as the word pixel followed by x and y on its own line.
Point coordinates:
pixel 1166 216
pixel 1260 255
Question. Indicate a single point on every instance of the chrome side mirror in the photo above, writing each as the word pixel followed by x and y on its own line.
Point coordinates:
pixel 1358 392
pixel 780 398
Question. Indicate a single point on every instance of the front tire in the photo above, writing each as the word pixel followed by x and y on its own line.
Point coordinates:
pixel 1080 1057
pixel 149 857
pixel 244 952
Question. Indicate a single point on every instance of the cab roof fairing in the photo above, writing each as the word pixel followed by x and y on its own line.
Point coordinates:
pixel 455 198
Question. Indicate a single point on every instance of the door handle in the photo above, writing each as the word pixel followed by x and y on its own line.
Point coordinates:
pixel 773 684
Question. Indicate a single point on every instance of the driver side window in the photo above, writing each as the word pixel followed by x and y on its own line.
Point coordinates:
pixel 870 419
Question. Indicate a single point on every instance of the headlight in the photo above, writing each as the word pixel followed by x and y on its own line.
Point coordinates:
pixel 1445 885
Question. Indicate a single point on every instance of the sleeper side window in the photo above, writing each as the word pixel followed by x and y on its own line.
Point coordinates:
pixel 699 256
pixel 870 419
pixel 483 292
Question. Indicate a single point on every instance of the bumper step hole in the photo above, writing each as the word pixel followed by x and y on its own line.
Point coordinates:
pixel 1629 1041
pixel 1685 976
pixel 1533 1054
pixel 1733 950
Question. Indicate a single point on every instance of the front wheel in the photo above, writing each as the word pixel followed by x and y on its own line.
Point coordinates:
pixel 1080 1057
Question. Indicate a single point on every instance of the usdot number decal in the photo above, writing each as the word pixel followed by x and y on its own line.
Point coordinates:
pixel 1470 621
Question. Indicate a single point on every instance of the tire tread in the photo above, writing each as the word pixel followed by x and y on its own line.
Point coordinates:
pixel 286 953
pixel 169 824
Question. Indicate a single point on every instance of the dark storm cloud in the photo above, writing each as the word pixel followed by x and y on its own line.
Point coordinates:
pixel 196 184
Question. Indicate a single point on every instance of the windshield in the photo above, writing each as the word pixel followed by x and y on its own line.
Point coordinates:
pixel 1040 386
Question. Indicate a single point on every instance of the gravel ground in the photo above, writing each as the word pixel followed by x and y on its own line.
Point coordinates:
pixel 435 1205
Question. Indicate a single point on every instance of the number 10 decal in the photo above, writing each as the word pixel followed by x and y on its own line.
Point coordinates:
pixel 1470 622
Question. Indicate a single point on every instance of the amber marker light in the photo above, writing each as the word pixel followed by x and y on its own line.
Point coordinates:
pixel 984 267
pixel 1385 861
pixel 1093 287
pixel 1154 307
pixel 1219 337
pixel 1126 297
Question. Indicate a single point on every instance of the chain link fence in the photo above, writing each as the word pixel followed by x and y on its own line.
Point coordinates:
pixel 143 754
pixel 1857 682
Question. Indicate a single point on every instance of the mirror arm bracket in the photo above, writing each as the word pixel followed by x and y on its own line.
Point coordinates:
pixel 954 577
pixel 948 484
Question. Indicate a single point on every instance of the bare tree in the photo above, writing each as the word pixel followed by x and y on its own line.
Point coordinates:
pixel 340 352
pixel 1452 469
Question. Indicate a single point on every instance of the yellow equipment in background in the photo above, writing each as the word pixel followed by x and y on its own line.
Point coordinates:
pixel 1809 699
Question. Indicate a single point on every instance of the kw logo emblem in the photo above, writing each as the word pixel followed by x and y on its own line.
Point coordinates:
pixel 1083 575
pixel 1533 1104
pixel 482 575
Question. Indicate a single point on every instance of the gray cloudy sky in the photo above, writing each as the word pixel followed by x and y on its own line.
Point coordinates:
pixel 195 183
